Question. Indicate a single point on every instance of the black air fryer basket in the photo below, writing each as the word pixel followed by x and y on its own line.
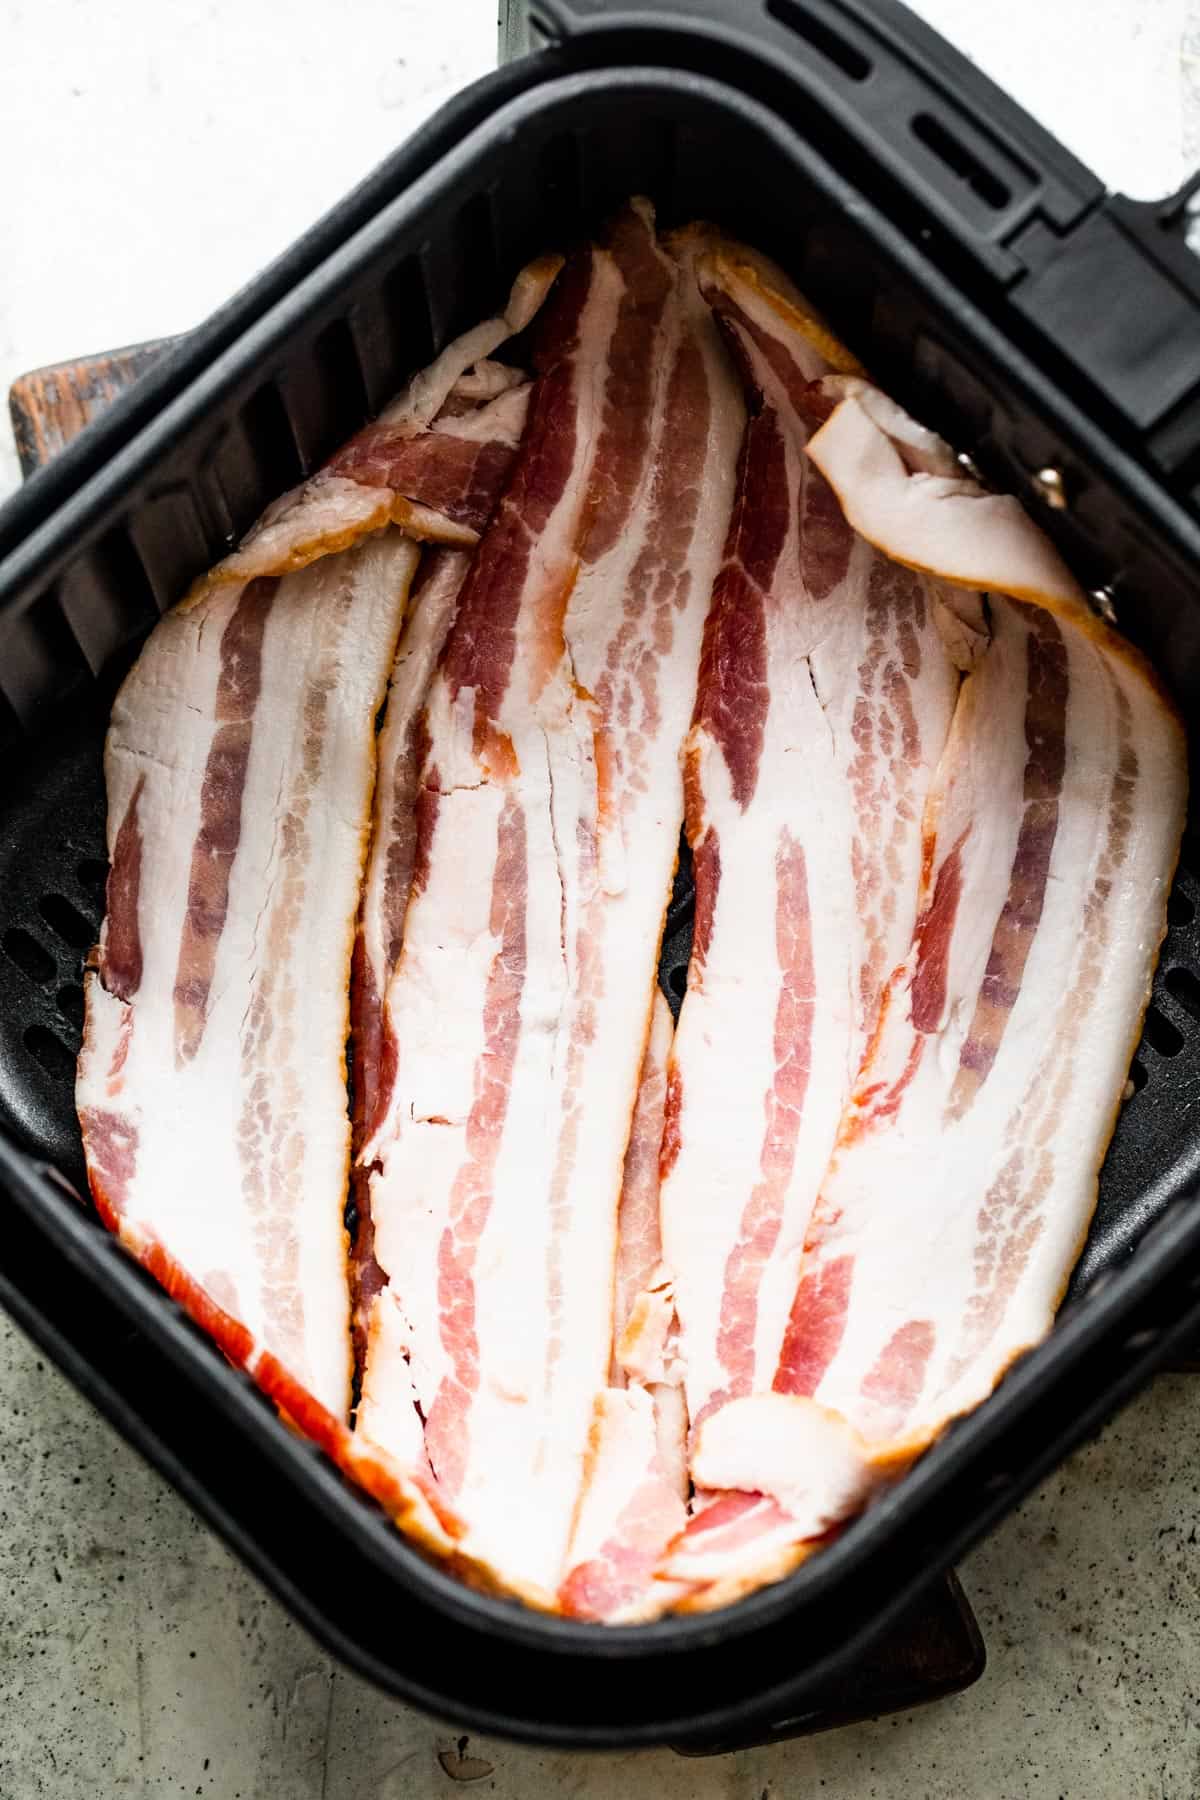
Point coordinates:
pixel 1047 329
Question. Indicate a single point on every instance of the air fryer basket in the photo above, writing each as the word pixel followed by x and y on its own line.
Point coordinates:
pixel 749 125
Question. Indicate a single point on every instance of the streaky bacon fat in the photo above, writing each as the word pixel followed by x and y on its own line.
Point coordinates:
pixel 386 884
pixel 825 696
pixel 966 1164
pixel 434 461
pixel 635 1482
pixel 471 411
pixel 934 806
pixel 544 858
pixel 211 1084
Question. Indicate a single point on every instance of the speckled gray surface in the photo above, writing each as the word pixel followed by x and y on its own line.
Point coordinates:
pixel 138 1659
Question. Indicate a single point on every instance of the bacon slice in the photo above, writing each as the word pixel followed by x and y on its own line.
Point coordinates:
pixel 421 465
pixel 473 409
pixel 826 693
pixel 645 1348
pixel 211 1081
pixel 211 1085
pixel 544 859
pixel 639 1238
pixel 401 755
pixel 628 1513
pixel 965 1170
pixel 636 1480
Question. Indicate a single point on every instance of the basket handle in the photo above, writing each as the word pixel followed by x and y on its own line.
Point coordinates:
pixel 973 160
pixel 978 180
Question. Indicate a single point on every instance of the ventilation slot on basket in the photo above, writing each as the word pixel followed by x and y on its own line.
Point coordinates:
pixel 560 180
pixel 1161 1034
pixel 107 599
pixel 50 1053
pixel 41 661
pixel 70 1004
pixel 342 384
pixel 1186 989
pixel 406 306
pixel 92 875
pixel 821 37
pixel 67 922
pixel 962 162
pixel 277 458
pixel 475 237
pixel 1181 908
pixel 26 954
pixel 1137 1075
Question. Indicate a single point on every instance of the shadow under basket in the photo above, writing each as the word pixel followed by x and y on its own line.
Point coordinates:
pixel 945 235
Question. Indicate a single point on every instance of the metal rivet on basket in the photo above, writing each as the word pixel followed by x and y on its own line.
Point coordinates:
pixel 969 466
pixel 1049 484
pixel 1102 602
pixel 1191 222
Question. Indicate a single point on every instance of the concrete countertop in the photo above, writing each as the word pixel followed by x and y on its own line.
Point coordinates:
pixel 136 1656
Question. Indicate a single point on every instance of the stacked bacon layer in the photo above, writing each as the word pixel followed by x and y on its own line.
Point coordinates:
pixel 933 807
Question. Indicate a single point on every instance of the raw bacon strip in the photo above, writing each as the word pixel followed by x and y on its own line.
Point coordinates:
pixel 401 756
pixel 211 1084
pixel 628 1513
pixel 474 406
pixel 552 790
pixel 992 1086
pixel 644 1335
pixel 457 467
pixel 902 488
pixel 826 692
pixel 636 1480
pixel 645 1339
pixel 639 1239
pixel 436 476
pixel 989 1090
pixel 457 1001
pixel 732 1534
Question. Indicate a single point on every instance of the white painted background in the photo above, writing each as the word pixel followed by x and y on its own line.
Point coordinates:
pixel 156 156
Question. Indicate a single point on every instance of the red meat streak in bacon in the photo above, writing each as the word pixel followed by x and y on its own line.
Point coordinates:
pixel 480 651
pixel 615 1578
pixel 123 951
pixel 618 1574
pixel 113 1143
pixel 732 696
pixel 476 476
pixel 759 1229
pixel 659 581
pixel 398 856
pixel 220 811
pixel 639 1238
pixel 1045 737
pixel 732 702
pixel 375 1051
pixel 458 476
pixel 408 467
pixel 470 1198
pixel 823 1297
